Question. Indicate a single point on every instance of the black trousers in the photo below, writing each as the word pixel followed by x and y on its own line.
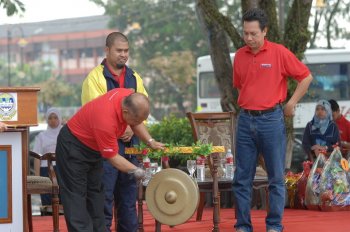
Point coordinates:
pixel 79 172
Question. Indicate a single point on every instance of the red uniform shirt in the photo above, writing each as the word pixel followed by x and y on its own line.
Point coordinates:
pixel 121 78
pixel 262 77
pixel 344 128
pixel 99 123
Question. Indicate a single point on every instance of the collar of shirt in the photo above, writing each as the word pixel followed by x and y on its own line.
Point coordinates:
pixel 118 78
pixel 263 48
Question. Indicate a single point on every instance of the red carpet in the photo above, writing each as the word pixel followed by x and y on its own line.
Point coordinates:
pixel 294 221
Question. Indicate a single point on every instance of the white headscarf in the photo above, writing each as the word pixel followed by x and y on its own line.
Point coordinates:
pixel 46 141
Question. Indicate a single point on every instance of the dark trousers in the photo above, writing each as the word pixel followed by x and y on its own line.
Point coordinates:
pixel 79 173
pixel 120 189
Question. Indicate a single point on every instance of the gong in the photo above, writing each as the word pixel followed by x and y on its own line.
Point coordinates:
pixel 172 196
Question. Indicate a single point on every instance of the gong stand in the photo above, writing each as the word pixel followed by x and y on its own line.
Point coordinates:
pixel 214 156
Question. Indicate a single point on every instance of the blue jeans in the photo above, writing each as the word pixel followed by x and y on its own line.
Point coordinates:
pixel 263 134
pixel 122 188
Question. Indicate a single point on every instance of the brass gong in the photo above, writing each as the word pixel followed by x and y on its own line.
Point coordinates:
pixel 172 196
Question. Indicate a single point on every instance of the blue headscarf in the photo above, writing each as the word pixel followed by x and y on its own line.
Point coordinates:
pixel 322 124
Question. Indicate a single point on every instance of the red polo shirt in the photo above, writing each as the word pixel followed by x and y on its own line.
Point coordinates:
pixel 344 128
pixel 121 78
pixel 262 77
pixel 99 123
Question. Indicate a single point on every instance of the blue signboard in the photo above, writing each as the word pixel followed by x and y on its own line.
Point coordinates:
pixel 5 185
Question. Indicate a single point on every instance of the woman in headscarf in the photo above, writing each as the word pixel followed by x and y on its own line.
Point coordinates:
pixel 45 142
pixel 321 133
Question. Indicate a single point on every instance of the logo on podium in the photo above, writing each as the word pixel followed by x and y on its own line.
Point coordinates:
pixel 8 106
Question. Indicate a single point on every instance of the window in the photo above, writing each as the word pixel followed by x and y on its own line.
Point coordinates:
pixel 208 87
pixel 331 81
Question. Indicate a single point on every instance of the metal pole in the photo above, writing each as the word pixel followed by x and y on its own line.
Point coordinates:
pixel 9 57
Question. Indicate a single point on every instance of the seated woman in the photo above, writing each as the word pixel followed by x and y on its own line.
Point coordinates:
pixel 321 133
pixel 45 142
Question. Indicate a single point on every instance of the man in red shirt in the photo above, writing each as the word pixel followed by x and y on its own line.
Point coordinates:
pixel 343 126
pixel 88 137
pixel 260 74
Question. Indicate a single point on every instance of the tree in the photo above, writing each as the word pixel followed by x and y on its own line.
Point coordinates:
pixel 173 80
pixel 295 38
pixel 332 13
pixel 12 7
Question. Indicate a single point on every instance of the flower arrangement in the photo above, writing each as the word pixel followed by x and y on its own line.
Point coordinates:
pixel 196 149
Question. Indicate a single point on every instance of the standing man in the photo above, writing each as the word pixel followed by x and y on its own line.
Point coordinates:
pixel 89 137
pixel 114 73
pixel 343 126
pixel 260 74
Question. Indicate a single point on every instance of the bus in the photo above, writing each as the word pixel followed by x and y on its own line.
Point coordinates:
pixel 330 69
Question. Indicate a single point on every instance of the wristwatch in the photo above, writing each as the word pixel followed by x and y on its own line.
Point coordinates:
pixel 149 141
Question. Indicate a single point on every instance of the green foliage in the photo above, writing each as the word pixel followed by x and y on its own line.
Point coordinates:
pixel 172 130
pixel 12 7
pixel 202 149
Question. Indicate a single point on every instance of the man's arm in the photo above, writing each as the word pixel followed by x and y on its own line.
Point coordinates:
pixel 3 126
pixel 142 132
pixel 297 95
pixel 121 163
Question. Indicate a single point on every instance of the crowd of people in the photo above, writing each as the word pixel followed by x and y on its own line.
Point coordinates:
pixel 95 175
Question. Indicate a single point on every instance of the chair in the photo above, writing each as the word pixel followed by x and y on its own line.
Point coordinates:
pixel 216 128
pixel 44 185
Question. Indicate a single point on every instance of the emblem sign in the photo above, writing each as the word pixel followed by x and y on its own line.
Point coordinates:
pixel 8 107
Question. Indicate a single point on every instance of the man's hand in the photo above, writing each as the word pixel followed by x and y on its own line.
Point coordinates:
pixel 138 173
pixel 289 110
pixel 3 127
pixel 126 137
pixel 155 145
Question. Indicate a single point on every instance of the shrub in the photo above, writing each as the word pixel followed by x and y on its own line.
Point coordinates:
pixel 175 131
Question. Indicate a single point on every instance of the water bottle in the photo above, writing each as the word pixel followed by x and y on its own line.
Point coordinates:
pixel 147 166
pixel 200 162
pixel 229 165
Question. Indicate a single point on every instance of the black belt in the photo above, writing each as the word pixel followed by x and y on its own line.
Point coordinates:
pixel 261 112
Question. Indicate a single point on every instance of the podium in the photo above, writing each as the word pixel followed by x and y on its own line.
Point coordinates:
pixel 18 109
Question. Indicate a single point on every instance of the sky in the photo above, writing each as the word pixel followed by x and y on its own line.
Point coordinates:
pixel 44 10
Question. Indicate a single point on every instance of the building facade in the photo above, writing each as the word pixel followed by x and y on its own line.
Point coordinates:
pixel 74 46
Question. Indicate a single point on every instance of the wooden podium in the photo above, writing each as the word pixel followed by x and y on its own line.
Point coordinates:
pixel 18 109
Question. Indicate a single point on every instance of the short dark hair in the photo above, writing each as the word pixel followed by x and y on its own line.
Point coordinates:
pixel 115 36
pixel 334 105
pixel 256 14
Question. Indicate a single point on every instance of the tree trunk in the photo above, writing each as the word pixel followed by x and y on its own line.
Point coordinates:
pixel 296 38
pixel 220 55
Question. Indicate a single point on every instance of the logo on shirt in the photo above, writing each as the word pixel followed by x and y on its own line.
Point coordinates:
pixel 108 149
pixel 266 65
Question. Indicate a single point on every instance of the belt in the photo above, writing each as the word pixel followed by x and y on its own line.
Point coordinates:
pixel 261 112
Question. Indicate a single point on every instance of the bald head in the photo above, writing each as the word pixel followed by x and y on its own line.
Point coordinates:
pixel 135 108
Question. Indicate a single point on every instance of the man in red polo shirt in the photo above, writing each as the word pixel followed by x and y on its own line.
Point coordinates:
pixel 343 126
pixel 260 74
pixel 88 137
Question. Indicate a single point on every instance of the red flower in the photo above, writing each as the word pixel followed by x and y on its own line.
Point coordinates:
pixel 144 151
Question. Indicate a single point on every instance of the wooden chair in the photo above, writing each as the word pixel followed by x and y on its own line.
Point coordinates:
pixel 216 128
pixel 44 185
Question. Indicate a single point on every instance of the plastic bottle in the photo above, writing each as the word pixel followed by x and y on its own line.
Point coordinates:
pixel 229 165
pixel 200 162
pixel 147 166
